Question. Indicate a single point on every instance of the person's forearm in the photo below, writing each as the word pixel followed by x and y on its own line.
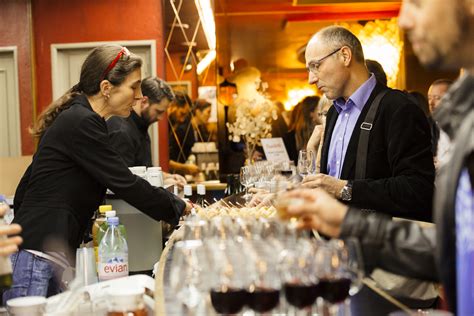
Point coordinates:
pixel 401 247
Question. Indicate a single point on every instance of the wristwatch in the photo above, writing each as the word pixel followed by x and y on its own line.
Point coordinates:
pixel 346 191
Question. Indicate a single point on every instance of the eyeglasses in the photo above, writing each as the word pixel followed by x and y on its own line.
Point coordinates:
pixel 123 52
pixel 314 65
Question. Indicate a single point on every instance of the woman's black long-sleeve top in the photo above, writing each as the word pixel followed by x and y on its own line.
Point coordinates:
pixel 68 177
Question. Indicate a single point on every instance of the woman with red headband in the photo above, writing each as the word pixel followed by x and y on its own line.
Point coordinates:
pixel 73 166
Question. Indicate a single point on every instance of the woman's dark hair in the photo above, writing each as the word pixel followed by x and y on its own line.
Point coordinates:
pixel 304 125
pixel 201 105
pixel 376 68
pixel 156 90
pixel 93 71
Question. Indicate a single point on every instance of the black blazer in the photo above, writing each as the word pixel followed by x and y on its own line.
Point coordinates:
pixel 67 180
pixel 400 170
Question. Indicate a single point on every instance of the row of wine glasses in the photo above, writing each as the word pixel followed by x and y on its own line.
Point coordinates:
pixel 261 174
pixel 254 265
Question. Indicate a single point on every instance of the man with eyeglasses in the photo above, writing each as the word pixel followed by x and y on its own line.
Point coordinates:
pixel 376 152
pixel 441 34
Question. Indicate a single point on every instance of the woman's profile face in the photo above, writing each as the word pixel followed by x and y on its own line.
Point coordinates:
pixel 124 96
pixel 204 115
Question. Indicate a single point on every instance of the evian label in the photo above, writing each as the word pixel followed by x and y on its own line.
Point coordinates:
pixel 115 267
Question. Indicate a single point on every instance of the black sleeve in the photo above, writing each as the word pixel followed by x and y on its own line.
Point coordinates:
pixel 121 140
pixel 21 188
pixel 401 247
pixel 408 192
pixel 92 151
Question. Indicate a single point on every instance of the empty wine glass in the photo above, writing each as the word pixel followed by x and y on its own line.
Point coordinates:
pixel 245 180
pixel 306 163
pixel 187 278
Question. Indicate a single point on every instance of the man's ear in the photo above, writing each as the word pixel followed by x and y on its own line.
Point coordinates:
pixel 105 88
pixel 346 55
pixel 144 103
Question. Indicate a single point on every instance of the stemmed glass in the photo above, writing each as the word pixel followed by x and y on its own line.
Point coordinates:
pixel 187 278
pixel 264 290
pixel 306 163
pixel 246 180
pixel 228 279
pixel 340 272
pixel 299 276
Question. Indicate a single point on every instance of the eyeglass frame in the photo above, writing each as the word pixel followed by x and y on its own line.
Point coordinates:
pixel 317 63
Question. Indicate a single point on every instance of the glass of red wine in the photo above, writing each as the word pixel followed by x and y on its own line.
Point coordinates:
pixel 264 290
pixel 228 279
pixel 340 273
pixel 299 276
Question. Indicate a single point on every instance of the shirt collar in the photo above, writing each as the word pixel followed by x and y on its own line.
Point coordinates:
pixel 359 97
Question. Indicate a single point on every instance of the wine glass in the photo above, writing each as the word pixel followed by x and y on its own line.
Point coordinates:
pixel 264 290
pixel 228 278
pixel 306 163
pixel 245 180
pixel 187 277
pixel 340 273
pixel 299 276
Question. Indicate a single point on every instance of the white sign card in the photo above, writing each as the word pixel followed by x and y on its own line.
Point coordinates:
pixel 275 150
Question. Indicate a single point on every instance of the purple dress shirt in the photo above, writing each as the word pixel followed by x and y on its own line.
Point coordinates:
pixel 349 112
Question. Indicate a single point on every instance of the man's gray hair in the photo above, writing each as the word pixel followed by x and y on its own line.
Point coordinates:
pixel 338 36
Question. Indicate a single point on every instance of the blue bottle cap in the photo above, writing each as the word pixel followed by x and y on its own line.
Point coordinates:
pixel 113 220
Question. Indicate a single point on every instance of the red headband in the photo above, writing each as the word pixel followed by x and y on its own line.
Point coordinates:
pixel 123 51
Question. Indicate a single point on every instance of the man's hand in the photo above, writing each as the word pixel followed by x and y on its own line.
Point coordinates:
pixel 174 179
pixel 330 184
pixel 9 245
pixel 320 211
pixel 191 169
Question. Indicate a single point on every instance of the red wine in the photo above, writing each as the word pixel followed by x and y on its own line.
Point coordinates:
pixel 335 290
pixel 300 295
pixel 263 300
pixel 229 302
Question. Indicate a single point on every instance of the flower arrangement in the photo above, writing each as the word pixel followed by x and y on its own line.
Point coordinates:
pixel 253 121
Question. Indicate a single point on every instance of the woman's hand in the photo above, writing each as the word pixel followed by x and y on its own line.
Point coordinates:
pixel 9 245
pixel 320 211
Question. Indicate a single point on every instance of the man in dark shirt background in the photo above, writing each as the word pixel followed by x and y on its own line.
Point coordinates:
pixel 130 136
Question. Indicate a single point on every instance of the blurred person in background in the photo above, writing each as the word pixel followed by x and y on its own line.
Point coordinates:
pixel 435 93
pixel 303 120
pixel 376 68
pixel 180 135
pixel 422 102
pixel 315 142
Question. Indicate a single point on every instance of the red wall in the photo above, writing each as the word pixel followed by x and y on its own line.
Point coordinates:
pixel 14 31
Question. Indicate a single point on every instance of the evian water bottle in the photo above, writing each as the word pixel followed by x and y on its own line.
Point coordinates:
pixel 113 253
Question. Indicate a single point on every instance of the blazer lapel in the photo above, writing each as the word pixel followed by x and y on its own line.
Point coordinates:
pixel 330 123
pixel 348 168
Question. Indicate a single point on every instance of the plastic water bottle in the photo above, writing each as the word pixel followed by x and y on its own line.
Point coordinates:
pixel 113 253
